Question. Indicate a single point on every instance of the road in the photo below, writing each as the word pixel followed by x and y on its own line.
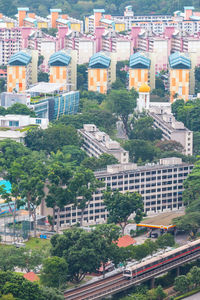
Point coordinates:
pixel 193 297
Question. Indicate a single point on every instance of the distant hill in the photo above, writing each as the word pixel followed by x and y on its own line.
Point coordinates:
pixel 79 8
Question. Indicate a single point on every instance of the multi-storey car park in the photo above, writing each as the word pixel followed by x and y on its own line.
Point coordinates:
pixel 161 187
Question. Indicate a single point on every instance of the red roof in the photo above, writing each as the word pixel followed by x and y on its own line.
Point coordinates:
pixel 31 276
pixel 125 241
pixel 3 72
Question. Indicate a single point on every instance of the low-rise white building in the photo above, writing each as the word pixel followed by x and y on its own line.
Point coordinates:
pixel 96 142
pixel 15 126
pixel 172 129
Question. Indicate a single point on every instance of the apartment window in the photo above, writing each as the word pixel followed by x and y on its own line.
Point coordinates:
pixel 14 123
pixel 38 121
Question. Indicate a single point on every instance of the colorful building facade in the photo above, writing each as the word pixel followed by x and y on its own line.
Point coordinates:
pixel 139 66
pixel 101 72
pixel 22 71
pixel 180 65
pixel 63 69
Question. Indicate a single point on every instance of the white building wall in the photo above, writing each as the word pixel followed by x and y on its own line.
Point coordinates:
pixel 123 50
pixel 85 51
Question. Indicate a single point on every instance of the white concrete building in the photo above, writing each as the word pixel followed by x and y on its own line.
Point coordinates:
pixel 15 126
pixel 161 187
pixel 172 129
pixel 96 142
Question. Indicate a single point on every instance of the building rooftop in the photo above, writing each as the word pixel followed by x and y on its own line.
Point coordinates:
pixel 63 21
pixel 139 61
pixel 59 58
pixel 130 167
pixel 99 10
pixel 23 9
pixel 144 88
pixel 179 60
pixel 45 88
pixel 169 120
pixel 125 241
pixel 31 276
pixel 100 61
pixel 20 59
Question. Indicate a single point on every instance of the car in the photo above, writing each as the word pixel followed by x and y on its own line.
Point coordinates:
pixel 154 235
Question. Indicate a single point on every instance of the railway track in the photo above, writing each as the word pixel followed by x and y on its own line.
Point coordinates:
pixel 92 290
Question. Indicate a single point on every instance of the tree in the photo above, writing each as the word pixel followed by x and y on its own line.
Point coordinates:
pixel 151 246
pixel 43 76
pixel 27 175
pixel 40 60
pixel 82 76
pixel 2 111
pixel 181 284
pixel 19 287
pixel 165 240
pixel 82 186
pixel 51 266
pixel 117 85
pixel 59 195
pixel 156 294
pixel 195 275
pixel 52 294
pixel 189 223
pixel 122 103
pixel 78 248
pixel 7 297
pixel 169 146
pixel 103 119
pixel 30 260
pixel 9 258
pixel 110 232
pixel 143 129
pixel 20 109
pixel 99 163
pixel 52 139
pixel 9 151
pixel 121 206
pixel 141 150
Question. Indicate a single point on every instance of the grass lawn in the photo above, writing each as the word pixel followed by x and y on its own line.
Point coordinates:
pixel 36 243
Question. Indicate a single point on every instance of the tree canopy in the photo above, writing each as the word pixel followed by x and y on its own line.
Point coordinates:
pixel 121 206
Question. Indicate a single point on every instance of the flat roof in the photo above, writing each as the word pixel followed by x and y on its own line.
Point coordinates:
pixel 45 88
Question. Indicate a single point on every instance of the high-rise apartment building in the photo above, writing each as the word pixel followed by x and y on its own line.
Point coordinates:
pixel 63 69
pixel 180 66
pixel 139 66
pixel 101 72
pixel 22 70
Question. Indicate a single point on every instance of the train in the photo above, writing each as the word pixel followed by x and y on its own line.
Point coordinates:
pixel 149 265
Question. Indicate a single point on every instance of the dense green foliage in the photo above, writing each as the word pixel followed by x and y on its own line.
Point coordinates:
pixel 103 119
pixel 17 109
pixel 78 8
pixel 188 113
pixel 121 206
pixel 52 139
pixel 191 196
pixel 84 251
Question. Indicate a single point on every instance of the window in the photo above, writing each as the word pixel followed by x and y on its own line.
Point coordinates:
pixel 38 121
pixel 14 123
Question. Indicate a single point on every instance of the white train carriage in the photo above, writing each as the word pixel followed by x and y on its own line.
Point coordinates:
pixel 162 259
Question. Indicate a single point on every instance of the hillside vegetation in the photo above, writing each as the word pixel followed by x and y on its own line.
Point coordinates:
pixel 79 8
